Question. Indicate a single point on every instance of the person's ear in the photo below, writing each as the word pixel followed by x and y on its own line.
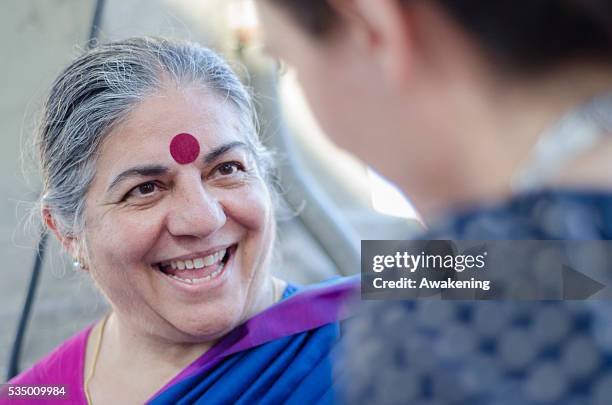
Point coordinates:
pixel 384 30
pixel 69 243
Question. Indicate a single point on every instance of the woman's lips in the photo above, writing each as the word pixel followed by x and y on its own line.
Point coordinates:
pixel 198 270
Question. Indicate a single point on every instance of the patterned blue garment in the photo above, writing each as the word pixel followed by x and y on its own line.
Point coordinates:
pixel 491 352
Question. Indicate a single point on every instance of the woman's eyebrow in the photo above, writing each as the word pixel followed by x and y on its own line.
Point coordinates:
pixel 214 154
pixel 156 170
pixel 138 171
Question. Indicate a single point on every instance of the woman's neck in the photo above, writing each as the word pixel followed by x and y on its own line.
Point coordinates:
pixel 127 343
pixel 129 366
pixel 130 363
pixel 501 125
pixel 136 349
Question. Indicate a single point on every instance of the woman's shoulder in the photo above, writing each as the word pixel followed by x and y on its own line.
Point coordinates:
pixel 64 365
pixel 546 214
pixel 339 283
pixel 306 307
pixel 332 297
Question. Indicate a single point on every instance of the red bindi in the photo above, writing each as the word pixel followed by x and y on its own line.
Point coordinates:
pixel 184 148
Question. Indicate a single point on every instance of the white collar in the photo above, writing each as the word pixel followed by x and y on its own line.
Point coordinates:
pixel 576 133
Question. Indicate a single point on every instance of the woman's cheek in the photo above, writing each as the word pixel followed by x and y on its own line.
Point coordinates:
pixel 250 205
pixel 127 237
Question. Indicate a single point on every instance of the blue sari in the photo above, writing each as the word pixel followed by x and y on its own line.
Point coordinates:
pixel 282 355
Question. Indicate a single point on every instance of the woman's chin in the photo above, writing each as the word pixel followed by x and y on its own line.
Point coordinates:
pixel 208 309
pixel 207 323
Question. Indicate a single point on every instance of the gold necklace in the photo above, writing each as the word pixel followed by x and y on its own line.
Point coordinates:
pixel 274 292
pixel 95 359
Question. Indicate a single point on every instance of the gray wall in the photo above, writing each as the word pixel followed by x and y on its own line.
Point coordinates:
pixel 37 38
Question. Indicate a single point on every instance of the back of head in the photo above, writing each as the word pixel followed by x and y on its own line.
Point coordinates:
pixel 538 34
pixel 527 35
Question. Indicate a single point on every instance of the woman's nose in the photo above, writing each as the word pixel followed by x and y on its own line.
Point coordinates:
pixel 195 212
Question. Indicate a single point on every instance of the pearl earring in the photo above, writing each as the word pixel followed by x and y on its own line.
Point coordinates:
pixel 77 264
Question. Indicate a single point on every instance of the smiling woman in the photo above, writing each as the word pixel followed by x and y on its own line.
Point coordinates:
pixel 156 183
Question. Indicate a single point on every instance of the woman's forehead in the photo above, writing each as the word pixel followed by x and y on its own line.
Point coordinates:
pixel 173 110
pixel 184 148
pixel 151 125
pixel 181 147
pixel 169 130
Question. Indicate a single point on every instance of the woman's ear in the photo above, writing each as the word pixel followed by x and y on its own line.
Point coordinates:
pixel 67 242
pixel 383 29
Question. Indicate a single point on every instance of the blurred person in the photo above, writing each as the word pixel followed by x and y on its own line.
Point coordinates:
pixel 495 118
pixel 156 183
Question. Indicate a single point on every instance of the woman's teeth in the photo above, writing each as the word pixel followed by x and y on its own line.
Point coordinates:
pixel 214 274
pixel 198 262
pixel 194 264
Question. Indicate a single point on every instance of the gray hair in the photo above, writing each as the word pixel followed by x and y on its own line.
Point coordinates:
pixel 99 89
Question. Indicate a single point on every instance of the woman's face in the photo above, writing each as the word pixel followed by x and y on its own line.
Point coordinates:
pixel 345 91
pixel 148 216
pixel 384 85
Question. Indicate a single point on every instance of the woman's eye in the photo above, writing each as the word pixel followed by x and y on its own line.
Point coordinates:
pixel 229 168
pixel 143 190
pixel 146 188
